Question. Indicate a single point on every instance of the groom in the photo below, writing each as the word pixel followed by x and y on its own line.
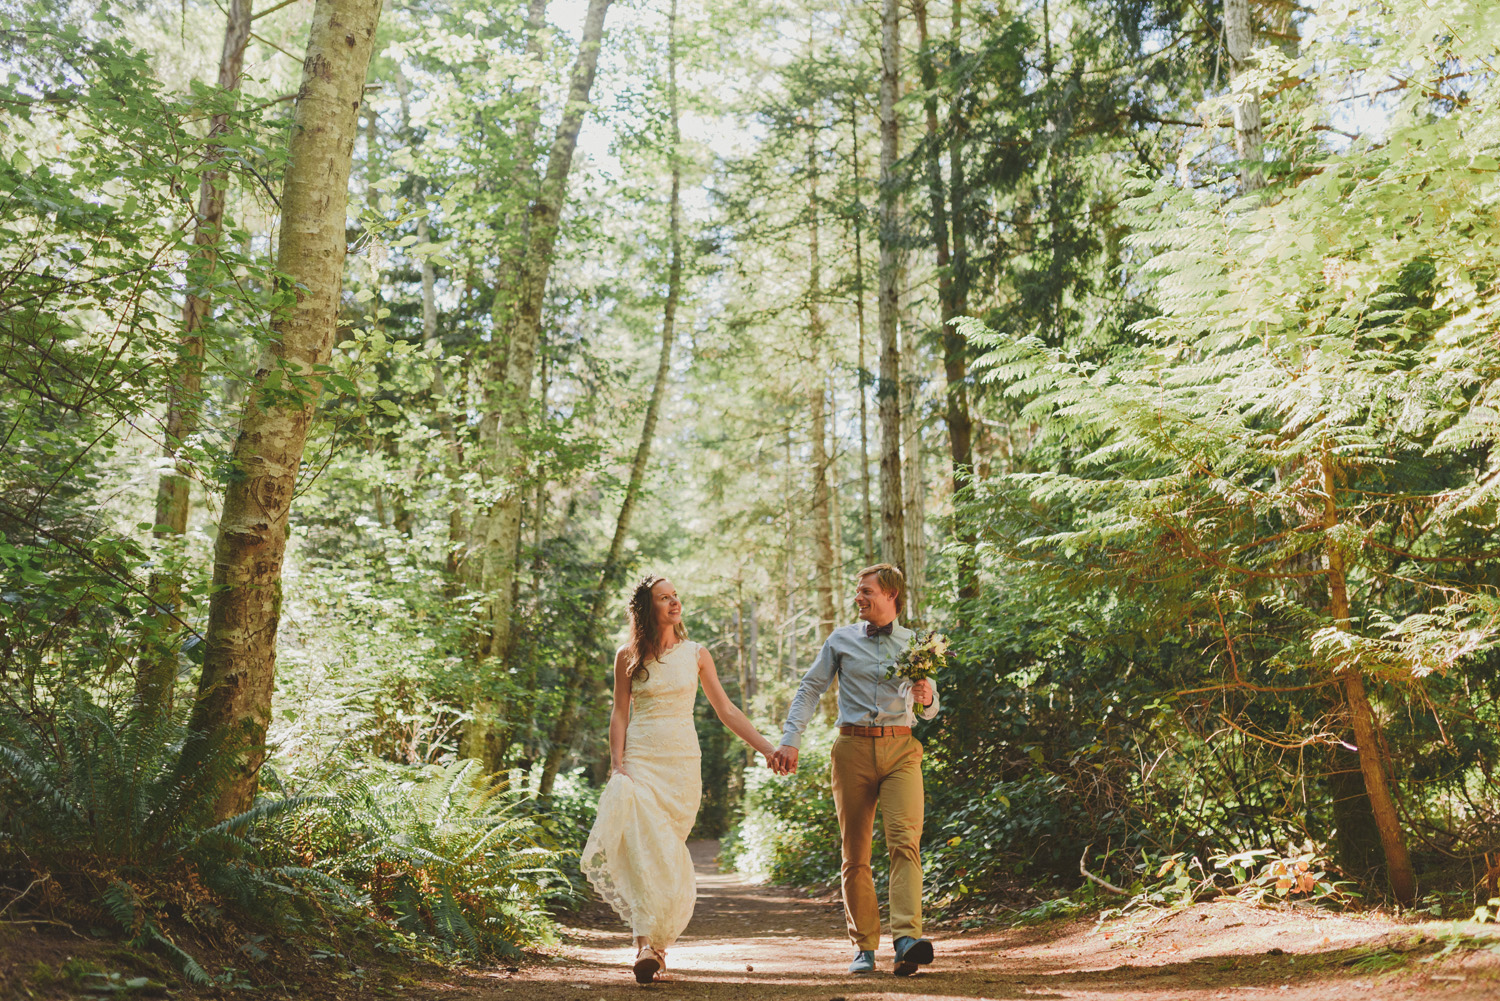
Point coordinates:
pixel 876 762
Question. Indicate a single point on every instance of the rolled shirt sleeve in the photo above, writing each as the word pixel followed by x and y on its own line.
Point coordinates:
pixel 814 683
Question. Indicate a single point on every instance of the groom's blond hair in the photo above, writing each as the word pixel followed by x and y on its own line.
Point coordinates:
pixel 888 579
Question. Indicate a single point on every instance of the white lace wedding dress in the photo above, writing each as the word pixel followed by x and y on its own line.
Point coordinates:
pixel 636 856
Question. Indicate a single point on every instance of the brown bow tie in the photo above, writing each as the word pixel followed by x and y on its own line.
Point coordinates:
pixel 872 630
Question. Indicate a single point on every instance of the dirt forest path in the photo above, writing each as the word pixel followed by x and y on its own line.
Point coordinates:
pixel 754 943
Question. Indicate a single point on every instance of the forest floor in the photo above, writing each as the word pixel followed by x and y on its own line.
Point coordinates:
pixel 762 943
pixel 757 943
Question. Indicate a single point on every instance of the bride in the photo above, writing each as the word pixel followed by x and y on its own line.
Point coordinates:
pixel 637 856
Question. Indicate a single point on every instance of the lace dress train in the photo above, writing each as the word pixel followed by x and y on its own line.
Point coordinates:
pixel 636 856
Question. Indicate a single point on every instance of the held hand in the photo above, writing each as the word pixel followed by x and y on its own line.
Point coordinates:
pixel 785 760
pixel 921 692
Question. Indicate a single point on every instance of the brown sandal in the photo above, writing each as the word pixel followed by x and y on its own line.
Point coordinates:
pixel 647 962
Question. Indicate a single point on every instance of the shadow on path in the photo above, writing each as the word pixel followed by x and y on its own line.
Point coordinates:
pixel 760 943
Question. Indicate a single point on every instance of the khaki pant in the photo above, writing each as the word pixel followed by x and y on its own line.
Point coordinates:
pixel 885 772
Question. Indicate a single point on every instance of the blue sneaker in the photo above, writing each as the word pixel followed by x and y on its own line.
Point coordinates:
pixel 910 953
pixel 864 962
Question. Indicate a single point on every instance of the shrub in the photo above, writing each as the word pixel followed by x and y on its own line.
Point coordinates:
pixel 438 851
pixel 567 821
pixel 790 832
pixel 100 810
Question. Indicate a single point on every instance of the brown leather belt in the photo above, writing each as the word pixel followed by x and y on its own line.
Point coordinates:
pixel 875 731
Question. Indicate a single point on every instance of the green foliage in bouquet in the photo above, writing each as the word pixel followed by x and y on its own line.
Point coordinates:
pixel 921 658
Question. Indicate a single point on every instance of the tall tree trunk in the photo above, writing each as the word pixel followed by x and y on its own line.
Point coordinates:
pixel 790 570
pixel 835 514
pixel 158 674
pixel 888 393
pixel 512 378
pixel 1357 837
pixel 957 411
pixel 513 225
pixel 1372 759
pixel 955 349
pixel 512 231
pixel 933 161
pixel 867 512
pixel 372 311
pixel 234 692
pixel 575 685
pixel 817 399
pixel 1239 41
pixel 913 480
pixel 913 483
pixel 741 665
pixel 754 640
pixel 443 408
pixel 506 732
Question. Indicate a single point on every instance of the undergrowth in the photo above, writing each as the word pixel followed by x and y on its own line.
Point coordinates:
pixel 106 822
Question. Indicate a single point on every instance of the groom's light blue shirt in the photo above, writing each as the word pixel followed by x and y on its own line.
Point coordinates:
pixel 866 696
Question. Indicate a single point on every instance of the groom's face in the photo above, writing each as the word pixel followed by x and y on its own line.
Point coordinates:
pixel 874 605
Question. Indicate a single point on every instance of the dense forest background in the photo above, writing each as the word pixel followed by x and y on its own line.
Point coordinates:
pixel 357 355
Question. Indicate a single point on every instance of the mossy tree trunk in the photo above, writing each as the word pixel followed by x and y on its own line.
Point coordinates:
pixel 817 397
pixel 234 691
pixel 158 674
pixel 510 376
pixel 578 681
pixel 888 392
pixel 1373 762
pixel 1239 43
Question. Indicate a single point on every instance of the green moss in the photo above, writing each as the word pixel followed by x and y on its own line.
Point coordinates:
pixel 75 970
pixel 42 975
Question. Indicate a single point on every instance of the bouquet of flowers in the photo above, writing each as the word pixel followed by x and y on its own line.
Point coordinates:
pixel 921 658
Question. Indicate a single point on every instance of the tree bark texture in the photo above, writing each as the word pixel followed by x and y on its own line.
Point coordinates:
pixel 1357 840
pixel 234 693
pixel 955 349
pixel 1372 759
pixel 511 378
pixel 914 493
pixel 1239 42
pixel 582 674
pixel 512 233
pixel 835 513
pixel 520 363
pixel 158 674
pixel 523 171
pixel 867 518
pixel 789 585
pixel 818 402
pixel 888 392
pixel 442 407
pixel 372 311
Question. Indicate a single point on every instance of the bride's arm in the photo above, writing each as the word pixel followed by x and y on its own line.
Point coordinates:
pixel 729 714
pixel 619 717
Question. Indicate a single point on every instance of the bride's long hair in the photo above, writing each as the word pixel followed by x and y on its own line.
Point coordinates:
pixel 646 641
